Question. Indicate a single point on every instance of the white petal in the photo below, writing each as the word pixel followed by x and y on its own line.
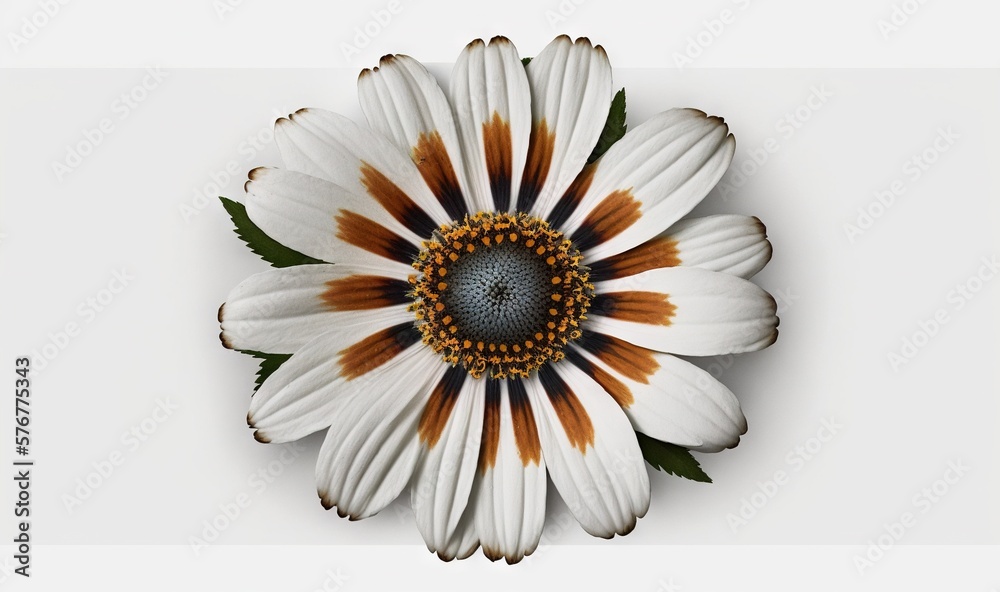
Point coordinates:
pixel 649 179
pixel 464 542
pixel 402 100
pixel 443 481
pixel 307 392
pixel 713 313
pixel 606 485
pixel 302 211
pixel 571 93
pixel 371 448
pixel 280 310
pixel 332 147
pixel 489 85
pixel 509 496
pixel 727 243
pixel 679 402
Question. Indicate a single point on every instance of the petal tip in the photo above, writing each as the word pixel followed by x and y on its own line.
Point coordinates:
pixel 221 309
pixel 256 173
pixel 260 437
pixel 226 343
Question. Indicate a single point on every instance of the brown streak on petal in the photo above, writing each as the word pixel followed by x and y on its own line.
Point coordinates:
pixel 618 390
pixel 650 308
pixel 375 350
pixel 536 169
pixel 529 447
pixel 434 164
pixel 396 201
pixel 574 194
pixel 608 219
pixel 439 406
pixel 364 292
pixel 571 413
pixel 631 361
pixel 491 427
pixel 371 236
pixel 499 156
pixel 653 254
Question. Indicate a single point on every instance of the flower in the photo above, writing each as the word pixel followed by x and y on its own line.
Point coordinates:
pixel 490 309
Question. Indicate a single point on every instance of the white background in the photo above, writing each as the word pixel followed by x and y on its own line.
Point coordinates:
pixel 137 203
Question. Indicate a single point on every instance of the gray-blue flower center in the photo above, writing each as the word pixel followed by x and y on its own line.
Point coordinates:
pixel 499 294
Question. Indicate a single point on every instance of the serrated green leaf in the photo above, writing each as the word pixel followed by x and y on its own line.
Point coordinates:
pixel 524 61
pixel 671 458
pixel 268 364
pixel 614 127
pixel 270 250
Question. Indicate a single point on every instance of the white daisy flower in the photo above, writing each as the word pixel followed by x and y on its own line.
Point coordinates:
pixel 489 309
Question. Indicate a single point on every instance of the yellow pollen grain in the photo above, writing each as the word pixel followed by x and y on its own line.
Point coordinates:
pixel 556 297
pixel 551 260
pixel 466 344
pixel 486 241
pixel 516 348
pixel 513 237
pixel 553 312
pixel 439 306
pixel 442 286
pixel 443 272
pixel 470 248
pixel 453 256
pixel 457 245
pixel 529 243
pixel 540 250
pixel 480 346
pixel 529 344
pixel 555 280
pixel 498 238
pixel 503 347
pixel 447 320
pixel 493 347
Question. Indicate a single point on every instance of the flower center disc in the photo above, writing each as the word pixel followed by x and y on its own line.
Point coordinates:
pixel 500 292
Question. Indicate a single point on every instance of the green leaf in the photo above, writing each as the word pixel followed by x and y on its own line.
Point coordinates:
pixel 614 127
pixel 671 458
pixel 524 61
pixel 266 247
pixel 268 364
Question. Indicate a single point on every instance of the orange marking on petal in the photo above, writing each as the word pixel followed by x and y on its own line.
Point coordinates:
pixel 439 406
pixel 396 201
pixel 364 292
pixel 650 308
pixel 571 413
pixel 499 157
pixel 618 390
pixel 491 427
pixel 631 361
pixel 569 201
pixel 371 236
pixel 653 254
pixel 434 164
pixel 536 169
pixel 609 218
pixel 375 350
pixel 529 447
